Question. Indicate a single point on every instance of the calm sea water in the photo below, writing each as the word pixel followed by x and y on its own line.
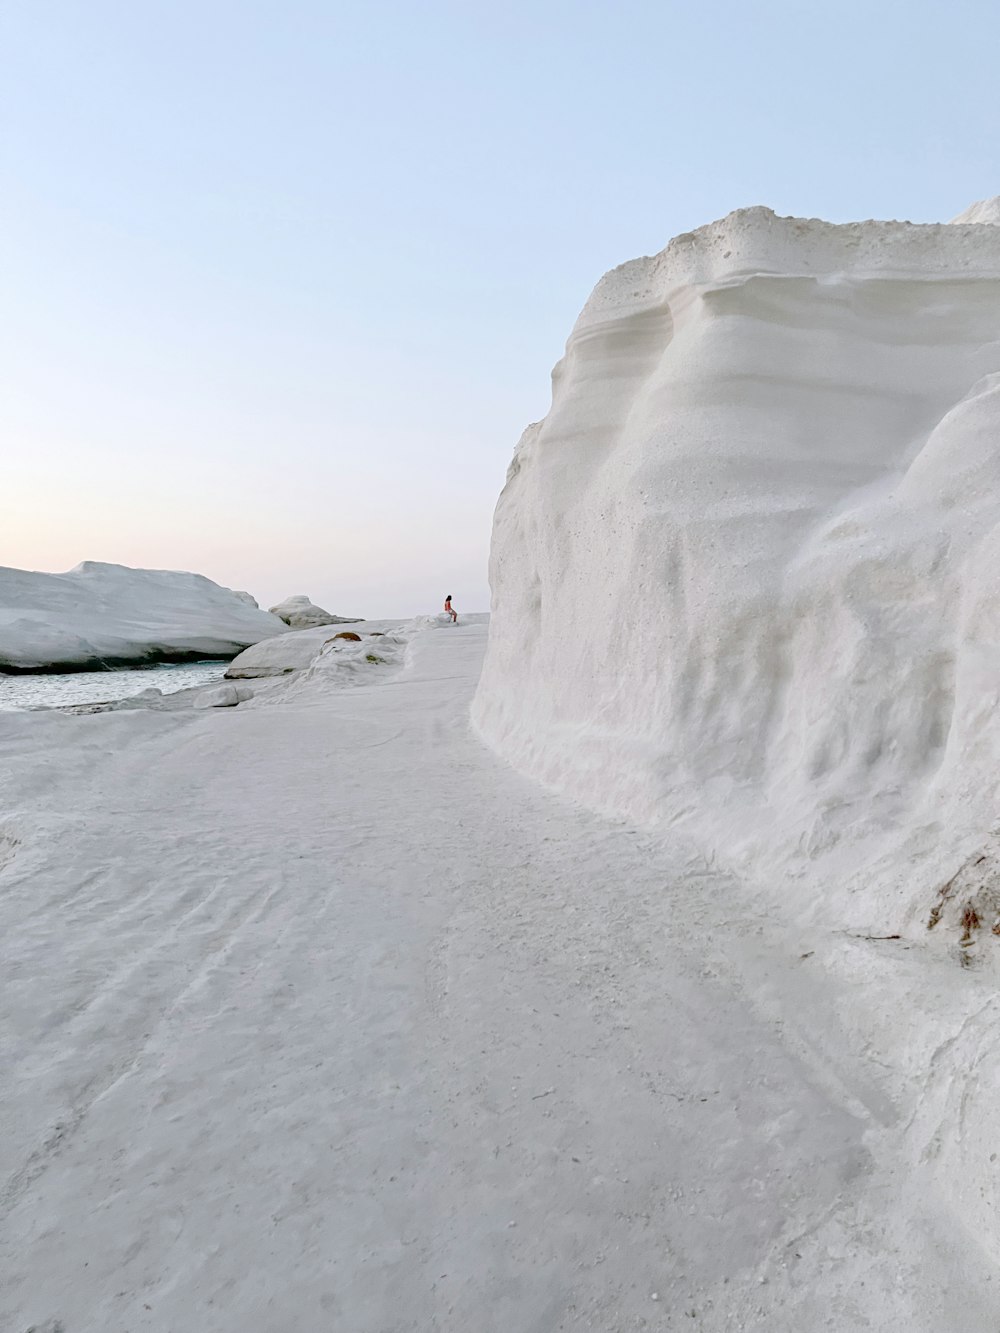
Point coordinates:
pixel 97 687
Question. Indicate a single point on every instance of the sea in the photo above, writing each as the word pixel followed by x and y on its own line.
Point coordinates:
pixel 98 687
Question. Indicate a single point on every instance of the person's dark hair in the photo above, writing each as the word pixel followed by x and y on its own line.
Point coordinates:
pixel 448 598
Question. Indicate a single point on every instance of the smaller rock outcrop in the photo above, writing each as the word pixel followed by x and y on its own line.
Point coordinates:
pixel 299 612
pixel 223 696
pixel 297 650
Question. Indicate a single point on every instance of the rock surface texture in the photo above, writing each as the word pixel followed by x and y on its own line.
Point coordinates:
pixel 292 652
pixel 101 615
pixel 746 573
pixel 299 612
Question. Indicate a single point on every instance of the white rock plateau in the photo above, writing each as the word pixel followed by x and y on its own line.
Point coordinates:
pixel 109 615
pixel 746 573
pixel 299 612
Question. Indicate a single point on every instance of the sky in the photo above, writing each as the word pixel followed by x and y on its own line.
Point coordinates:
pixel 282 281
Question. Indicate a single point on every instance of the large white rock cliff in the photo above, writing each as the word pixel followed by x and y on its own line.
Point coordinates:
pixel 746 573
pixel 101 615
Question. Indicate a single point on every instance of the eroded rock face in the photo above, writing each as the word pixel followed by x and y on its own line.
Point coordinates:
pixel 299 612
pixel 746 573
pixel 100 615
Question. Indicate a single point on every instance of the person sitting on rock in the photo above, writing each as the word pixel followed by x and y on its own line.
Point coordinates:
pixel 449 609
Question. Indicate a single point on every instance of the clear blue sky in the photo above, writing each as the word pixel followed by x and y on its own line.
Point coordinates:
pixel 282 282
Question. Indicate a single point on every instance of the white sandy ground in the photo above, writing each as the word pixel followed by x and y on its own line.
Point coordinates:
pixel 318 1017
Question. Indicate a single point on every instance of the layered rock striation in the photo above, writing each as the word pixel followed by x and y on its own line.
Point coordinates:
pixel 746 573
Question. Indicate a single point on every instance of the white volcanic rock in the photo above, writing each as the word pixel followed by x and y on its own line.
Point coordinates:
pixel 296 650
pixel 746 573
pixel 277 657
pixel 986 210
pixel 222 696
pixel 299 612
pixel 109 615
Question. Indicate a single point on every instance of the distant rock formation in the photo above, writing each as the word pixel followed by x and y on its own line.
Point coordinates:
pixel 985 211
pixel 100 616
pixel 299 612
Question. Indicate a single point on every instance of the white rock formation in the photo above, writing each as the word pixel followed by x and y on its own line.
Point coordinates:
pixel 295 651
pixel 986 210
pixel 299 612
pixel 278 657
pixel 222 696
pixel 109 615
pixel 746 573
